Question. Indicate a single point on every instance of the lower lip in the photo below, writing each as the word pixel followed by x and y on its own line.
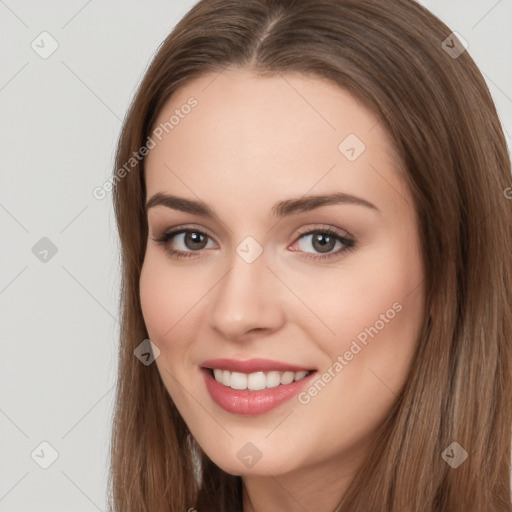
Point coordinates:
pixel 248 402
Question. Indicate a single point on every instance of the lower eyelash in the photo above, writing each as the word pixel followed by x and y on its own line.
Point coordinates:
pixel 349 244
pixel 179 254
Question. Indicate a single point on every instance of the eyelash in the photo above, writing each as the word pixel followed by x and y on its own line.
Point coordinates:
pixel 349 243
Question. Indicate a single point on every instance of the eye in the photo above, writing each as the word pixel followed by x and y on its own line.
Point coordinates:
pixel 189 241
pixel 324 241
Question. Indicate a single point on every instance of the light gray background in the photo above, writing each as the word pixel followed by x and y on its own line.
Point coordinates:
pixel 60 119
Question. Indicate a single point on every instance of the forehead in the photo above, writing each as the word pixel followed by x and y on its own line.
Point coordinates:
pixel 274 137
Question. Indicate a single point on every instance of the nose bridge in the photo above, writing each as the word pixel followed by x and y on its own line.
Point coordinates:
pixel 246 297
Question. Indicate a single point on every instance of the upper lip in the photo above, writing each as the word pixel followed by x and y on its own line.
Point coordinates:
pixel 251 365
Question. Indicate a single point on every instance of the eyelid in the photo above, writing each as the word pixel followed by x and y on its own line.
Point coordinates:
pixel 324 227
pixel 181 228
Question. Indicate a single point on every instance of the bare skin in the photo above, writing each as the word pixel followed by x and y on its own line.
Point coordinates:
pixel 248 144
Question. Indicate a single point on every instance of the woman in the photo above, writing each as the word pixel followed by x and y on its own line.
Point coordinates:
pixel 316 236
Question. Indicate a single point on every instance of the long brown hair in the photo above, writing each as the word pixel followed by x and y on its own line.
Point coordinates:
pixel 398 59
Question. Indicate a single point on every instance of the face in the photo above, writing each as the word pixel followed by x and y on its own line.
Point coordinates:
pixel 295 243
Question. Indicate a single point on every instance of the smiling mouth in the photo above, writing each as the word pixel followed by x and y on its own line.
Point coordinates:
pixel 256 381
pixel 256 390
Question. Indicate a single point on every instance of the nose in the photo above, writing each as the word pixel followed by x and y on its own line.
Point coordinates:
pixel 247 300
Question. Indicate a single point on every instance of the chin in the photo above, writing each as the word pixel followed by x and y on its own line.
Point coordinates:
pixel 247 460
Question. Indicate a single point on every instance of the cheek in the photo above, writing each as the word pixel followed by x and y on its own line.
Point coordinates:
pixel 167 297
pixel 374 307
pixel 378 291
pixel 167 301
pixel 376 311
pixel 377 328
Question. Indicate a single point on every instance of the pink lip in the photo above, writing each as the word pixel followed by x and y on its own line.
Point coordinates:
pixel 248 402
pixel 251 365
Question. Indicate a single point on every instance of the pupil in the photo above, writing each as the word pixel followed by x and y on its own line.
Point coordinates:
pixel 324 246
pixel 195 238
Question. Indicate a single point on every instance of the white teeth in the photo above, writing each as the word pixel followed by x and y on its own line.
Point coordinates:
pixel 257 380
pixel 238 380
pixel 287 377
pixel 273 379
pixel 300 375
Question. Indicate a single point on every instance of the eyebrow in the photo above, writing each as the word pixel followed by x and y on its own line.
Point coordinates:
pixel 281 209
